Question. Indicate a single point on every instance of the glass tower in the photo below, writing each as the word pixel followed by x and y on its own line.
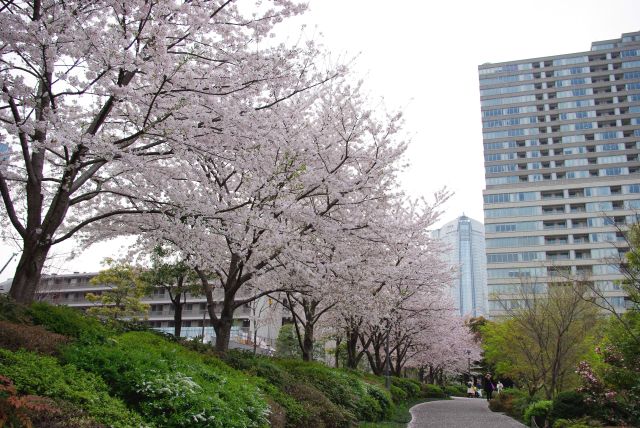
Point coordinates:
pixel 465 239
pixel 561 153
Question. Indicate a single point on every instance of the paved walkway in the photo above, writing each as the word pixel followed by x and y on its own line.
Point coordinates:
pixel 459 413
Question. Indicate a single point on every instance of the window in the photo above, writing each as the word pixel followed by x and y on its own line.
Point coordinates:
pixel 606 270
pixel 576 162
pixel 631 64
pixel 491 181
pixel 506 79
pixel 632 188
pixel 592 207
pixel 609 147
pixel 520 241
pixel 613 171
pixel 508 100
pixel 570 60
pixel 523 226
pixel 609 135
pixel 612 159
pixel 512 212
pixel 505 68
pixel 511 197
pixel 526 256
pixel 501 168
pixel 506 90
pixel 516 272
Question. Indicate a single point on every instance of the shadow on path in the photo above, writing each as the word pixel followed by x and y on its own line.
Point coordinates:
pixel 459 413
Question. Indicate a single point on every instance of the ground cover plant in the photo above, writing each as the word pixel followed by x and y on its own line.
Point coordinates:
pixel 39 375
pixel 92 373
pixel 171 385
pixel 336 397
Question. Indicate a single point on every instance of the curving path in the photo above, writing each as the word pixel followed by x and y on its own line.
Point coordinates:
pixel 459 413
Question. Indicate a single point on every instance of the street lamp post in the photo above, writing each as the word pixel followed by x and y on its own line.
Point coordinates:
pixel 468 352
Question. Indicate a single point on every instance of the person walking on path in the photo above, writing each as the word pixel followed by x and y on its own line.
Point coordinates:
pixel 470 392
pixel 488 386
pixel 499 387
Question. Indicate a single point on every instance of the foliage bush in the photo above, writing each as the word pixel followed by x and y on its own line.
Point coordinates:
pixel 42 375
pixel 303 404
pixel 170 385
pixel 34 410
pixel 455 390
pixel 568 405
pixel 319 410
pixel 69 322
pixel 397 394
pixel 566 423
pixel 10 311
pixel 409 386
pixel 432 391
pixel 538 410
pixel 32 338
pixel 611 382
pixel 344 389
pixel 512 402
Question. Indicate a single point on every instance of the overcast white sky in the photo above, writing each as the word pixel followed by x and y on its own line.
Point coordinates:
pixel 421 57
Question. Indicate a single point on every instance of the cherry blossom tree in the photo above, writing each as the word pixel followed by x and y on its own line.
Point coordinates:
pixel 249 209
pixel 444 346
pixel 97 94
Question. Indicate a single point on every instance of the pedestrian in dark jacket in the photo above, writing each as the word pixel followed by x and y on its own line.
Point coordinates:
pixel 488 386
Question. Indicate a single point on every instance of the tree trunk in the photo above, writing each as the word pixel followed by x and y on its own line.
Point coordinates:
pixel 307 342
pixel 223 333
pixel 337 356
pixel 255 339
pixel 177 317
pixel 352 349
pixel 222 324
pixel 28 272
pixel 376 360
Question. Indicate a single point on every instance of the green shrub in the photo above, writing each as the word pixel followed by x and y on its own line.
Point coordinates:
pixel 397 394
pixel 42 375
pixel 512 402
pixel 455 390
pixel 342 388
pixel 432 391
pixel 538 410
pixel 567 405
pixel 69 322
pixel 303 401
pixel 11 311
pixel 384 404
pixel 562 423
pixel 320 410
pixel 170 385
pixel 411 387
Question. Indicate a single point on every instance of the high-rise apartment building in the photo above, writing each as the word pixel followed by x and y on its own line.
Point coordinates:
pixel 561 146
pixel 465 239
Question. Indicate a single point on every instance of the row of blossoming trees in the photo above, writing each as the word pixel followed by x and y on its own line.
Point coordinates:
pixel 260 164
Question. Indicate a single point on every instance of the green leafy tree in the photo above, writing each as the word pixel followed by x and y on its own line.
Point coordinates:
pixel 611 377
pixel 176 278
pixel 123 298
pixel 287 343
pixel 540 343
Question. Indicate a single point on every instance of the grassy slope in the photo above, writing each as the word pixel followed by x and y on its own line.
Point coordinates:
pixel 96 372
